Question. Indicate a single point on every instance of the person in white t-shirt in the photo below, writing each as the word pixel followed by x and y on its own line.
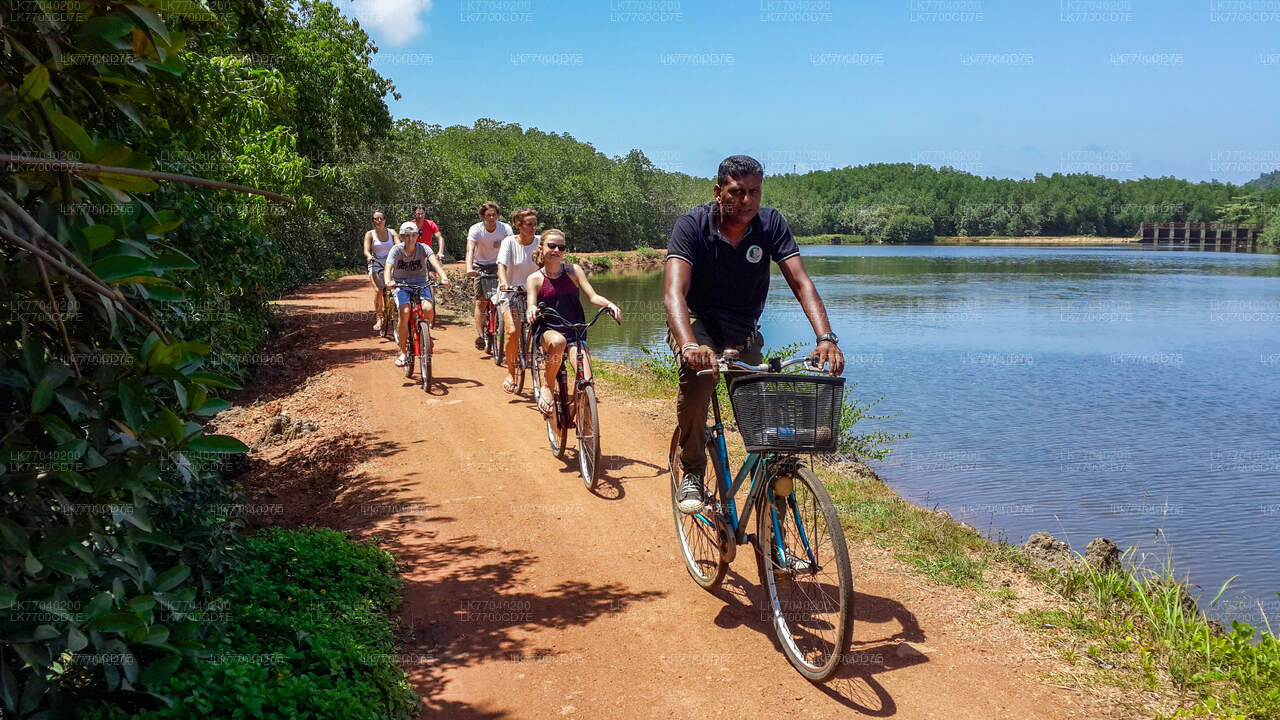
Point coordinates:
pixel 484 240
pixel 515 265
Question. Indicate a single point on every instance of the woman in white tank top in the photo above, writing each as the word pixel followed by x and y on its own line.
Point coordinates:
pixel 377 243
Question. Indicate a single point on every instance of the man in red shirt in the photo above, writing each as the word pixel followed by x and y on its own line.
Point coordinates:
pixel 428 231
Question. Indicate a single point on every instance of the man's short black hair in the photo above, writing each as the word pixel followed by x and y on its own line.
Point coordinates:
pixel 738 166
pixel 416 208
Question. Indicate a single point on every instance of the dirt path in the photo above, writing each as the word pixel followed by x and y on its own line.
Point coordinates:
pixel 529 597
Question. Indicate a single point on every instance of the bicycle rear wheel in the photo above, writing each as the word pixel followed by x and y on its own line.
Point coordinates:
pixel 703 535
pixel 424 357
pixel 804 567
pixel 588 431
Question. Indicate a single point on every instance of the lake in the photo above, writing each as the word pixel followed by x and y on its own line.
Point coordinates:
pixel 1087 392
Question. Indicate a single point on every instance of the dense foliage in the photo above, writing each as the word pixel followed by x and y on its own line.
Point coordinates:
pixel 307 635
pixel 116 530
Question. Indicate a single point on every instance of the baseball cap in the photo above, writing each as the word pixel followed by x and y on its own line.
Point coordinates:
pixel 409 226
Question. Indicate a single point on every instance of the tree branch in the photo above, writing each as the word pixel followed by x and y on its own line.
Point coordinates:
pixel 92 169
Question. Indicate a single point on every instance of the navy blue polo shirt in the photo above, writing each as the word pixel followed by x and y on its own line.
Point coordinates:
pixel 728 285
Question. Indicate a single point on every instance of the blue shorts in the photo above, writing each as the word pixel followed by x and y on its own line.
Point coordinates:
pixel 404 296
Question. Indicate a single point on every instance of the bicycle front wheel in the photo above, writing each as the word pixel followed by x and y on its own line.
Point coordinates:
pixel 500 340
pixel 804 568
pixel 522 359
pixel 703 535
pixel 588 430
pixel 424 358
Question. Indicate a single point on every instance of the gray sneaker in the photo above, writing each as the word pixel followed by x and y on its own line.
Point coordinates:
pixel 690 496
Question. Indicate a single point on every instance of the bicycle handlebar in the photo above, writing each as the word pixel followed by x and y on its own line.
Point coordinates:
pixel 547 313
pixel 774 365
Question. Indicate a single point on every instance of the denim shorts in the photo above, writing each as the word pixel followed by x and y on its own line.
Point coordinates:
pixel 404 295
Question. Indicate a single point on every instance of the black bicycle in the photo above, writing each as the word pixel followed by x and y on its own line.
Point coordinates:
pixel 578 409
pixel 799 545
pixel 491 328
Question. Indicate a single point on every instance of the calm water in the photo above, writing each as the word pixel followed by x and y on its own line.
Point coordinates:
pixel 1083 391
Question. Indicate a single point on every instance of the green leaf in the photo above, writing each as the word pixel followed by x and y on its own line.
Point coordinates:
pixel 171 578
pixel 74 479
pixel 67 565
pixel 108 27
pixel 217 444
pixel 181 391
pixel 126 106
pixel 129 403
pixel 136 516
pixel 166 293
pixel 7 598
pixel 127 183
pixel 115 622
pixel 166 220
pixel 211 379
pixel 45 632
pixel 13 378
pixel 98 236
pixel 173 260
pixel 167 425
pixel 98 606
pixel 152 21
pixel 212 407
pixel 76 640
pixel 14 536
pixel 42 396
pixel 118 267
pixel 70 131
pixel 160 670
pixel 34 84
pixel 142 603
pixel 32 565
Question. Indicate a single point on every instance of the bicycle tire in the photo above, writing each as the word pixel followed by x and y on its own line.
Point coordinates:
pixel 588 443
pixel 522 359
pixel 559 437
pixel 703 535
pixel 803 601
pixel 500 343
pixel 424 359
pixel 411 349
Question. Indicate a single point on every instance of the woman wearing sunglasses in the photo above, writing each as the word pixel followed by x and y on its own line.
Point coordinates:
pixel 557 284
pixel 377 245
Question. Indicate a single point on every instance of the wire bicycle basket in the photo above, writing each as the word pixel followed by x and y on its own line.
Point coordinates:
pixel 781 412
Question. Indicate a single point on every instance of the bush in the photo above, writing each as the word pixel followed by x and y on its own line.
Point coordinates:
pixel 909 229
pixel 647 253
pixel 307 636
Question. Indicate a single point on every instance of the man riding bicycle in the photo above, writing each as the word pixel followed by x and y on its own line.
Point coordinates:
pixel 714 289
pixel 407 265
pixel 484 239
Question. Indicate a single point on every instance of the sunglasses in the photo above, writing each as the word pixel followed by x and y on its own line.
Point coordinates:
pixel 379 220
pixel 556 246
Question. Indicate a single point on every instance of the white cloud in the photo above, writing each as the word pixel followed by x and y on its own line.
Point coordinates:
pixel 394 22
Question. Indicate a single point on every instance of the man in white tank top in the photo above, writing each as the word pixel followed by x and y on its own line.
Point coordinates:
pixel 484 239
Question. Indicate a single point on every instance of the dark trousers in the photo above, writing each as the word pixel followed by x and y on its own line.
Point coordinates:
pixel 695 395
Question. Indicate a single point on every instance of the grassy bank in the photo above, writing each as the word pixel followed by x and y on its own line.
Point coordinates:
pixel 832 239
pixel 305 632
pixel 1133 634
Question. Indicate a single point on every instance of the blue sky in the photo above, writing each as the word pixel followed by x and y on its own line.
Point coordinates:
pixel 1124 88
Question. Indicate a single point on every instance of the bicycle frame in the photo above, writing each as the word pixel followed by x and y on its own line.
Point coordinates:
pixel 756 468
pixel 580 345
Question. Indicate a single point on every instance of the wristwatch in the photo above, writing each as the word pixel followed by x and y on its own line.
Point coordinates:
pixel 829 337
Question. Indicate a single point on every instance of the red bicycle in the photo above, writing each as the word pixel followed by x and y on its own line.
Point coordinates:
pixel 418 345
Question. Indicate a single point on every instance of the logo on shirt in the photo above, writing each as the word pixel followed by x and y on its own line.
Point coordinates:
pixel 754 253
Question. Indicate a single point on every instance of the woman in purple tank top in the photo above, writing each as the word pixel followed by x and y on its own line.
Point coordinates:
pixel 557 284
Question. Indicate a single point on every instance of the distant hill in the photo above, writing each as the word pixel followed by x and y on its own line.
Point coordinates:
pixel 1265 181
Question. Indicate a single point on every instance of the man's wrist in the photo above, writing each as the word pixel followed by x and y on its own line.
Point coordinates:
pixel 828 337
